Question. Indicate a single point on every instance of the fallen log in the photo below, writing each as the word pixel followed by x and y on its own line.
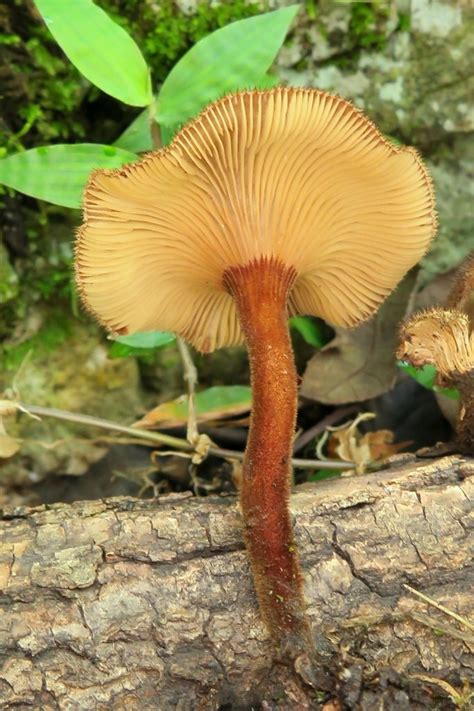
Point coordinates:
pixel 132 604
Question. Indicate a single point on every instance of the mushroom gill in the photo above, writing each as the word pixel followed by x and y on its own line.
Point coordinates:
pixel 295 175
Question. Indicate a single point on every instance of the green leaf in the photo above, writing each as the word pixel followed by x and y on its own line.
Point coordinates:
pixel 223 398
pixel 59 173
pixel 392 139
pixel 215 403
pixel 149 339
pixel 137 136
pixel 309 329
pixel 322 474
pixel 426 376
pixel 100 49
pixel 231 58
pixel 132 345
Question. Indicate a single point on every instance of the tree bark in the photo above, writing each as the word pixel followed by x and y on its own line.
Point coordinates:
pixel 129 604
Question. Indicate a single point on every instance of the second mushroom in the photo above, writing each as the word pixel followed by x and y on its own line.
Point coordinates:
pixel 269 204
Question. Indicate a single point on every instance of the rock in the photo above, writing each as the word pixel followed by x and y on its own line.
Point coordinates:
pixel 435 18
pixel 452 170
pixel 415 86
pixel 77 376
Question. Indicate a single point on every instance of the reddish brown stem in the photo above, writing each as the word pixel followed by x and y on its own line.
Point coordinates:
pixel 261 292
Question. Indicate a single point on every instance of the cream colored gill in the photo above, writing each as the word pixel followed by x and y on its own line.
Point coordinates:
pixel 290 173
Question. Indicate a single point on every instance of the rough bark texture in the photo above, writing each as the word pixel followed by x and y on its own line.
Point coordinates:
pixel 125 604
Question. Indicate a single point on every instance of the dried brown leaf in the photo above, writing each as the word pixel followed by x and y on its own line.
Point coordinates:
pixel 350 445
pixel 360 363
pixel 8 446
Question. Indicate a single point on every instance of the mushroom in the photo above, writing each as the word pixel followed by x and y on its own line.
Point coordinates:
pixel 269 204
pixel 444 337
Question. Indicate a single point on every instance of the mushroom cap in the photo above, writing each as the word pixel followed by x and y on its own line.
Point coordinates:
pixel 440 337
pixel 295 175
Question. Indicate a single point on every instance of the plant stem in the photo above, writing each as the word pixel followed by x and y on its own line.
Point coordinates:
pixel 261 291
pixel 158 438
pixel 80 419
pixel 190 375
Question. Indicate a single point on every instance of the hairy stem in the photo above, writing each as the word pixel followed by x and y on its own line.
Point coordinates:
pixel 261 292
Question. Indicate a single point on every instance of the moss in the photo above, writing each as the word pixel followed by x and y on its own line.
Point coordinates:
pixel 46 100
pixel 8 278
pixel 41 259
pixel 404 22
pixel 42 91
pixel 366 24
pixel 164 33
pixel 57 328
pixel 311 7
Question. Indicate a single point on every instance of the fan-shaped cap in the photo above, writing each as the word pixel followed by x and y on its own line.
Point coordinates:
pixel 441 337
pixel 296 175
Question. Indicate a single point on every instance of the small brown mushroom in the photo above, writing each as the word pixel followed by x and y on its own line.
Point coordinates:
pixel 445 338
pixel 270 203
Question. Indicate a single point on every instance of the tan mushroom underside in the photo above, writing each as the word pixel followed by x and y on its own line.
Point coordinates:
pixel 440 337
pixel 294 174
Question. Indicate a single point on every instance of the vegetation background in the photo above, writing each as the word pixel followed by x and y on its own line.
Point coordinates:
pixel 408 65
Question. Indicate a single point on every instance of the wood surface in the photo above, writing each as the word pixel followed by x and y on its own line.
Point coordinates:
pixel 132 604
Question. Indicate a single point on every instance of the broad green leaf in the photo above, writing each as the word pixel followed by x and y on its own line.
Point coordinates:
pixel 267 81
pixel 231 58
pixel 59 173
pixel 137 136
pixel 426 376
pixel 150 339
pixel 215 403
pixel 168 132
pixel 309 329
pixel 99 48
pixel 140 343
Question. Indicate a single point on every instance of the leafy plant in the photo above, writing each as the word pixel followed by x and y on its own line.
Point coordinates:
pixel 108 57
pixel 364 24
pixel 426 376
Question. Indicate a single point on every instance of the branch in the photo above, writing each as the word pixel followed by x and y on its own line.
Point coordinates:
pixel 123 603
pixel 159 438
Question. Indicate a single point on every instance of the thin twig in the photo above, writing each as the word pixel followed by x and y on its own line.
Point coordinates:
pixel 320 426
pixel 155 132
pixel 160 438
pixel 438 606
pixel 191 377
pixel 392 617
pixel 91 421
pixel 189 369
pixel 297 463
pixel 436 625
